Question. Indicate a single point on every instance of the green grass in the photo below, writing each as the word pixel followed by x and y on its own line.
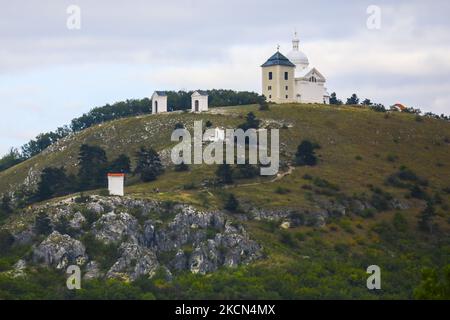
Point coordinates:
pixel 359 150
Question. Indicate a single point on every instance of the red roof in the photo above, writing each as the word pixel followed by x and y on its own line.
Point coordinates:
pixel 116 174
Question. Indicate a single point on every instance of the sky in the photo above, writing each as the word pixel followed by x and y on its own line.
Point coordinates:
pixel 50 74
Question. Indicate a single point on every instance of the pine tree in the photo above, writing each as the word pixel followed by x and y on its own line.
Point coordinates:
pixel 53 182
pixel 149 165
pixel 353 100
pixel 120 165
pixel 251 122
pixel 334 100
pixel 93 165
pixel 305 155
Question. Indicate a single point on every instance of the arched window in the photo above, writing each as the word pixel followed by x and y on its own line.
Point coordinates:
pixel 312 79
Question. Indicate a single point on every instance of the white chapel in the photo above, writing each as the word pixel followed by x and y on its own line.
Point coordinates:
pixel 287 79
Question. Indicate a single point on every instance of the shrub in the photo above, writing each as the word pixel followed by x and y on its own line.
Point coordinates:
pixel 392 158
pixel 225 173
pixel 300 236
pixel 105 254
pixel 231 203
pixel 305 155
pixel 43 224
pixel 417 192
pixel 179 125
pixel 288 239
pixel 367 213
pixel 6 241
pixel 181 167
pixel 82 198
pixel 247 171
pixel 282 190
pixel 189 186
pixel 322 183
pixel 399 222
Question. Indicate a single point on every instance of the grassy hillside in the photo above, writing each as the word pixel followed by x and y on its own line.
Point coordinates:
pixel 359 150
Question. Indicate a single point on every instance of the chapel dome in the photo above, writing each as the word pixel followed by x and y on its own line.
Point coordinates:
pixel 296 56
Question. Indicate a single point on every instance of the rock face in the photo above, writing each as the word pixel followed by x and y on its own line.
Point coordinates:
pixel 323 209
pixel 60 251
pixel 135 261
pixel 147 237
pixel 92 270
pixel 113 227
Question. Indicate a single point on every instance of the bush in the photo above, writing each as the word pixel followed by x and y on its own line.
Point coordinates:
pixel 418 193
pixel 179 125
pixel 399 222
pixel 367 213
pixel 322 183
pixel 247 171
pixel 105 254
pixel 225 173
pixel 43 224
pixel 282 190
pixel 181 167
pixel 6 241
pixel 305 155
pixel 231 203
pixel 288 239
pixel 189 186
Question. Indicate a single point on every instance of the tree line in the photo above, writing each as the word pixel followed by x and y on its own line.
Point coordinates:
pixel 355 100
pixel 93 166
pixel 177 100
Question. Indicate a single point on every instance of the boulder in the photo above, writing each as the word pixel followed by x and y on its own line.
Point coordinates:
pixel 60 251
pixel 134 261
pixel 113 227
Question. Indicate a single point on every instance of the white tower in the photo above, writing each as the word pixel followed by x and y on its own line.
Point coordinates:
pixel 297 57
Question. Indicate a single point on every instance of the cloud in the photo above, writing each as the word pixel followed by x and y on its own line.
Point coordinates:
pixel 49 74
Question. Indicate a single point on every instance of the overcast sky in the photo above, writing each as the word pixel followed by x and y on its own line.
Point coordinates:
pixel 50 74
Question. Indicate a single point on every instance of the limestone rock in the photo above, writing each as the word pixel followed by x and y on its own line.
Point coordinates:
pixel 60 251
pixel 135 261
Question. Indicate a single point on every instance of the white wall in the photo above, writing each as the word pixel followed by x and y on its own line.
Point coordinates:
pixel 202 102
pixel 310 92
pixel 115 185
pixel 159 104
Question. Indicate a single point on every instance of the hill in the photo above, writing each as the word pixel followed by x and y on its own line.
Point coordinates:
pixel 318 227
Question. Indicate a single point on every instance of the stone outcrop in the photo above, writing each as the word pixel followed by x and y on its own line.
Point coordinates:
pixel 149 236
pixel 60 251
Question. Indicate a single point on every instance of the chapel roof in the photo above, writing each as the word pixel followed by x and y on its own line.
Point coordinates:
pixel 278 60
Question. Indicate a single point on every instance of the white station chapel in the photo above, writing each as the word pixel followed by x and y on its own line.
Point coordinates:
pixel 199 101
pixel 291 79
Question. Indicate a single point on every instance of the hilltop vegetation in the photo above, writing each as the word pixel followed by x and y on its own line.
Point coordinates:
pixel 180 100
pixel 356 188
